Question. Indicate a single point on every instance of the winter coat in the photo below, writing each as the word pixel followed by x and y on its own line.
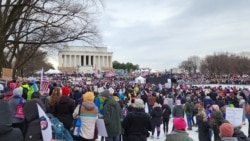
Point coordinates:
pixel 137 125
pixel 178 111
pixel 166 111
pixel 88 115
pixel 216 123
pixel 178 135
pixel 170 103
pixel 32 125
pixel 203 128
pixel 13 103
pixel 207 101
pixel 156 115
pixel 112 117
pixel 7 133
pixel 240 135
pixel 189 107
pixel 151 100
pixel 8 96
pixel 63 110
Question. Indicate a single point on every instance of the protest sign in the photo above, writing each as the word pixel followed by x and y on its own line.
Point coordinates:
pixel 234 116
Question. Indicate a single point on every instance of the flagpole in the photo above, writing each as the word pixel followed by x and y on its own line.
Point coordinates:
pixel 41 79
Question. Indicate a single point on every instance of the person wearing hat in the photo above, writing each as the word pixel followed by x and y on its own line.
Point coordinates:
pixel 226 132
pixel 88 115
pixel 111 116
pixel 64 108
pixel 7 132
pixel 135 121
pixel 179 133
pixel 13 103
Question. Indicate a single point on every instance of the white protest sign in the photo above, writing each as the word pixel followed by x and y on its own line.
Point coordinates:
pixel 101 128
pixel 45 124
pixel 234 116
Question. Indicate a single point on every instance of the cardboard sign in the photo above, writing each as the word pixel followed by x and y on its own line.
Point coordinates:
pixel 7 73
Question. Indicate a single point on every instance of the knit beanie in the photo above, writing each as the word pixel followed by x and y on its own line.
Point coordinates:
pixel 65 91
pixel 138 103
pixel 12 85
pixel 18 92
pixel 226 130
pixel 179 124
pixel 105 93
pixel 88 96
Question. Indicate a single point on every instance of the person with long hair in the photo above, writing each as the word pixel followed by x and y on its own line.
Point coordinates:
pixel 55 96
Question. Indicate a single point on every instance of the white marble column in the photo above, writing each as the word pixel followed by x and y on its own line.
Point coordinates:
pixel 84 60
pixel 65 60
pixel 94 59
pixel 103 62
pixel 80 60
pixel 89 61
pixel 111 61
pixel 98 61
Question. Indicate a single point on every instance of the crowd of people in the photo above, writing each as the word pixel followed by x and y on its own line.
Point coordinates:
pixel 121 105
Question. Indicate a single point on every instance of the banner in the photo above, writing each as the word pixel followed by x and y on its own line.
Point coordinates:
pixel 45 124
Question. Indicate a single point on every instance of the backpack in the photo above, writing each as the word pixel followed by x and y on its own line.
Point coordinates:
pixel 58 130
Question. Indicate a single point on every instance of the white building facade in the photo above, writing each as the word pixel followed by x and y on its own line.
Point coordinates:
pixel 79 56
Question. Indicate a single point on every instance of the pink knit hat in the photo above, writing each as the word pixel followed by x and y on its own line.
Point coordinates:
pixel 179 124
pixel 12 85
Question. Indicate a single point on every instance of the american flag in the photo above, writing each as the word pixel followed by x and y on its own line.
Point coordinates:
pixel 96 72
pixel 44 83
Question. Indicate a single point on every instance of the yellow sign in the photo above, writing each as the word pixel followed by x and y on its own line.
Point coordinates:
pixel 7 74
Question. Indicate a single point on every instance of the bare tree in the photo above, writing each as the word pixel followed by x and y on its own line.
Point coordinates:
pixel 225 63
pixel 27 25
pixel 195 62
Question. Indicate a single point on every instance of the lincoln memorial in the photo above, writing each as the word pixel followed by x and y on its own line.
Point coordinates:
pixel 80 56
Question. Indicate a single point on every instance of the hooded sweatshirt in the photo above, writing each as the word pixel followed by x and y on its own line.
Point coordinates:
pixel 6 130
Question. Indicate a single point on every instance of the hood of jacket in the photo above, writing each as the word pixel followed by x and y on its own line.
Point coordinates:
pixel 110 101
pixel 64 100
pixel 5 118
pixel 30 109
pixel 88 105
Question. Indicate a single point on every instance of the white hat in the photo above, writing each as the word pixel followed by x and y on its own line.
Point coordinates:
pixel 138 103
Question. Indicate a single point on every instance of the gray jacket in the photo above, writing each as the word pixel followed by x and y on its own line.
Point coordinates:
pixel 7 133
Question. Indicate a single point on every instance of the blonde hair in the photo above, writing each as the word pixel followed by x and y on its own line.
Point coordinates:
pixel 55 96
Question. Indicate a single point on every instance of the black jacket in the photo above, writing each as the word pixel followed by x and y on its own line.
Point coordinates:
pixel 32 124
pixel 7 133
pixel 136 126
pixel 203 128
pixel 166 111
pixel 63 110
pixel 156 115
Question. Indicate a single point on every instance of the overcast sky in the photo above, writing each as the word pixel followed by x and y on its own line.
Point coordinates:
pixel 160 34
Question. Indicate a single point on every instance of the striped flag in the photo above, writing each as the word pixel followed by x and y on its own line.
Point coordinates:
pixel 44 83
pixel 96 72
